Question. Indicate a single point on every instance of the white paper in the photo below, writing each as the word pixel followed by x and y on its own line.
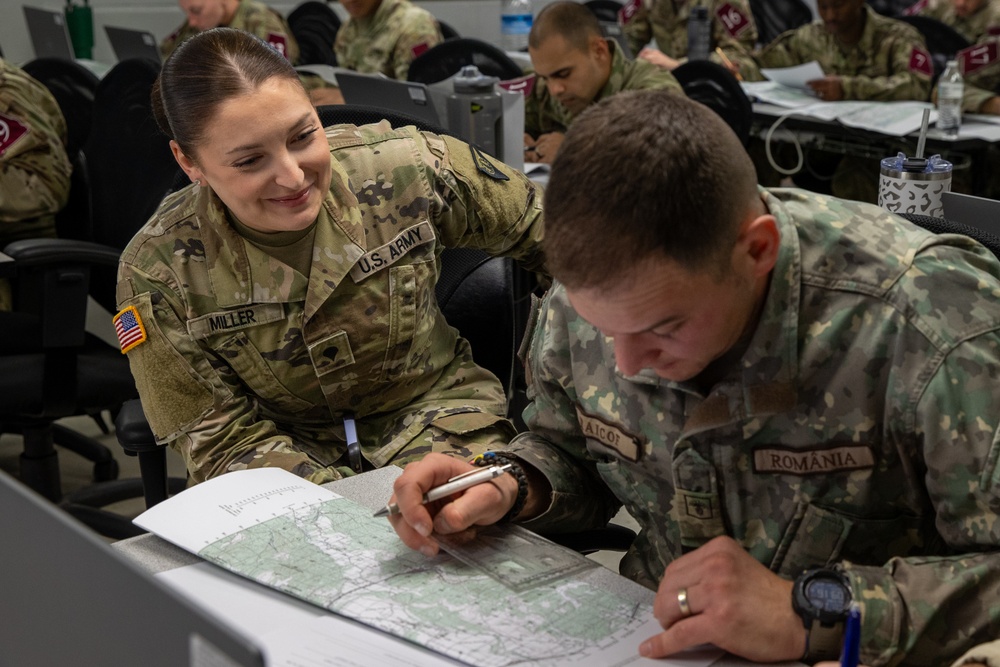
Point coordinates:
pixel 794 77
pixel 770 92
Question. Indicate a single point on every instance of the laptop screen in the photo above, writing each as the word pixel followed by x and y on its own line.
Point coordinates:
pixel 49 35
pixel 407 97
pixel 128 43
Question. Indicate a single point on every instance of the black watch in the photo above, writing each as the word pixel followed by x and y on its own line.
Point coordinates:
pixel 822 598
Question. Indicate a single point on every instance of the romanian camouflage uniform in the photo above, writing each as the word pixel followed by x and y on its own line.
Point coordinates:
pixel 387 41
pixel 733 28
pixel 253 17
pixel 543 113
pixel 889 62
pixel 34 167
pixel 859 427
pixel 980 65
pixel 983 23
pixel 248 363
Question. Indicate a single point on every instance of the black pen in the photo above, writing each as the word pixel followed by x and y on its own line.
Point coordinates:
pixel 453 485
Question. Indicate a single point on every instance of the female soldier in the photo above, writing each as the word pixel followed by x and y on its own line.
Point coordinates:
pixel 290 289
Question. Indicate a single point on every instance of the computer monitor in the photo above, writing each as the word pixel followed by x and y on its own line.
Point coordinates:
pixel 978 212
pixel 68 599
pixel 407 97
pixel 128 43
pixel 49 35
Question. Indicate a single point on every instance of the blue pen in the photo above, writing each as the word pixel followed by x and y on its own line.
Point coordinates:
pixel 852 638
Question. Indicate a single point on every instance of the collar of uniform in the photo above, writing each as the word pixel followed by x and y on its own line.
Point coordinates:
pixel 618 65
pixel 867 43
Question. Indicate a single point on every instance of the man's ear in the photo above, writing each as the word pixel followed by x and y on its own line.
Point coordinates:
pixel 187 164
pixel 599 49
pixel 760 241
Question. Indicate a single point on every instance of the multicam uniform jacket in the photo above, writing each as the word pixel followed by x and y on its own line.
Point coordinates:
pixel 246 362
pixel 543 113
pixel 890 62
pixel 980 65
pixel 859 427
pixel 253 17
pixel 982 23
pixel 387 41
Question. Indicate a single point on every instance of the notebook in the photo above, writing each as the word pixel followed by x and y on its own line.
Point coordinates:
pixel 49 35
pixel 128 43
pixel 410 98
pixel 69 599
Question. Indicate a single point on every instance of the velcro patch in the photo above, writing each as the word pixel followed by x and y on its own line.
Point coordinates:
pixel 993 30
pixel 787 461
pixel 233 320
pixel 920 61
pixel 388 254
pixel 976 57
pixel 915 8
pixel 129 328
pixel 522 84
pixel 628 11
pixel 610 436
pixel 733 20
pixel 419 49
pixel 484 165
pixel 279 43
pixel 11 129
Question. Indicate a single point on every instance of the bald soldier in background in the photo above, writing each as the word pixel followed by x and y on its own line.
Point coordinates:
pixel 251 16
pixel 973 19
pixel 384 36
pixel 34 167
pixel 733 31
pixel 575 66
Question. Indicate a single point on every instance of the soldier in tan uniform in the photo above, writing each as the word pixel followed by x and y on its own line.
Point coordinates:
pixel 575 67
pixel 249 15
pixel 289 292
pixel 384 36
pixel 733 31
pixel 776 384
pixel 973 19
pixel 980 66
pixel 34 167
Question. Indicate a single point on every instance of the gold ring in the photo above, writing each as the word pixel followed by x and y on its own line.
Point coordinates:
pixel 682 602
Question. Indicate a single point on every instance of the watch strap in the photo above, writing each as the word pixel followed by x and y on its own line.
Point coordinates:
pixel 824 642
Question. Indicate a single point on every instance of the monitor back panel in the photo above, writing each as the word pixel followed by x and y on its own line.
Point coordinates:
pixel 406 97
pixel 49 35
pixel 128 43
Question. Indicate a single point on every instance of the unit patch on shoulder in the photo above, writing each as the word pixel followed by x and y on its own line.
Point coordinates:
pixel 420 49
pixel 628 11
pixel 920 61
pixel 11 129
pixel 732 20
pixel 278 42
pixel 129 327
pixel 975 57
pixel 484 165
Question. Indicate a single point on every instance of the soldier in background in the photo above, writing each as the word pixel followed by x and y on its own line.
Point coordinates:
pixel 34 168
pixel 732 31
pixel 384 36
pixel 768 381
pixel 289 291
pixel 973 19
pixel 249 15
pixel 575 66
pixel 980 65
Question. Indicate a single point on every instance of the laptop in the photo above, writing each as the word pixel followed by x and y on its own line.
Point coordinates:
pixel 978 212
pixel 49 35
pixel 128 43
pixel 410 98
pixel 69 599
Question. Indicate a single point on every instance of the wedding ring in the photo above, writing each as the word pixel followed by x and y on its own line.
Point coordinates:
pixel 682 602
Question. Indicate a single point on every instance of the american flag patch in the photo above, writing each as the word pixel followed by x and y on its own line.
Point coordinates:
pixel 128 326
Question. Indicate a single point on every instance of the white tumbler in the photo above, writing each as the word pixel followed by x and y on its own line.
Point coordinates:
pixel 914 185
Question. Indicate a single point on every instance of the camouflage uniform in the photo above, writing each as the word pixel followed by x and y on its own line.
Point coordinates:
pixel 249 363
pixel 388 41
pixel 987 654
pixel 543 113
pixel 253 17
pixel 889 62
pixel 34 167
pixel 733 28
pixel 980 65
pixel 981 24
pixel 858 427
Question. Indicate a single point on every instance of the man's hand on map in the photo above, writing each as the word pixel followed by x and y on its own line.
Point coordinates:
pixel 480 505
pixel 719 594
pixel 828 89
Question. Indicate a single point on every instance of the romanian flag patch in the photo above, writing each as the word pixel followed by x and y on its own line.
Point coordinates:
pixel 130 330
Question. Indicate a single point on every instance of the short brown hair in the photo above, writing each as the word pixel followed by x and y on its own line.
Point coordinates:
pixel 644 174
pixel 570 20
pixel 206 70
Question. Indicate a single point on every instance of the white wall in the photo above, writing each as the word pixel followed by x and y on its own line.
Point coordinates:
pixel 471 18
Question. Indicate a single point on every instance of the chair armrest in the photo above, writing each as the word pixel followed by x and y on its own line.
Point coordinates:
pixel 38 252
pixel 132 429
pixel 7 267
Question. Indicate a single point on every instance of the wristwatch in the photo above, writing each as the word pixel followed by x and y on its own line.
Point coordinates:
pixel 822 598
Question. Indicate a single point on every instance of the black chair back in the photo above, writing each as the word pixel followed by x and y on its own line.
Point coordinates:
pixel 715 87
pixel 943 41
pixel 74 87
pixel 606 12
pixel 773 17
pixel 891 8
pixel 359 114
pixel 314 25
pixel 449 57
pixel 945 226
pixel 447 31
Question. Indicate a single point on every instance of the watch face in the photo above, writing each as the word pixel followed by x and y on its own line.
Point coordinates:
pixel 827 595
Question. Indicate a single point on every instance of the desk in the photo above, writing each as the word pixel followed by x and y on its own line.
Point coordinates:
pixel 370 490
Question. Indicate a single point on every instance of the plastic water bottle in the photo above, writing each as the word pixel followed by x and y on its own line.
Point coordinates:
pixel 950 89
pixel 699 34
pixel 515 24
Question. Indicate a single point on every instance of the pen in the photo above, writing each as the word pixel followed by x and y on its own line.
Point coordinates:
pixel 353 447
pixel 453 485
pixel 729 63
pixel 850 654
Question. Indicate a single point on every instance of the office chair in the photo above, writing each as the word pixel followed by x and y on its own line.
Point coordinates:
pixel 943 41
pixel 715 87
pixel 891 8
pixel 314 25
pixel 944 226
pixel 449 57
pixel 606 12
pixel 774 17
pixel 74 87
pixel 447 31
